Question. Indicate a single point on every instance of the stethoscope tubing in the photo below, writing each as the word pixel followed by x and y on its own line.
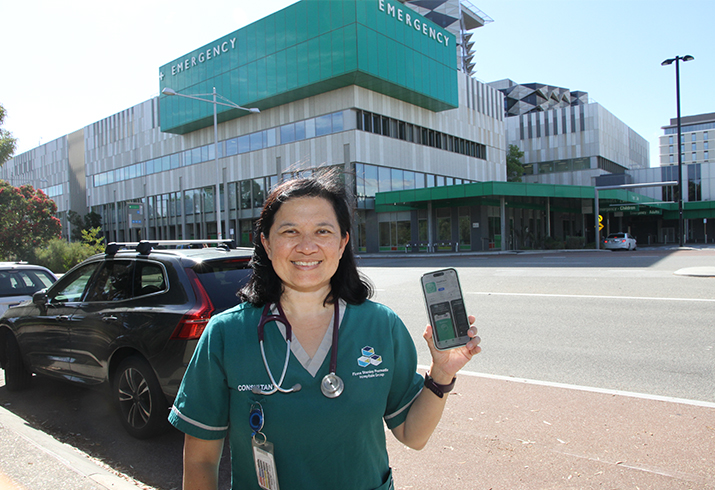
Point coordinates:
pixel 266 317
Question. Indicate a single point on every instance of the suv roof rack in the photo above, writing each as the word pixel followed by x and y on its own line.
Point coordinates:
pixel 144 247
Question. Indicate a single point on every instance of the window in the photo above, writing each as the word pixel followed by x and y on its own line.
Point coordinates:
pixel 287 133
pixel 670 149
pixel 670 140
pixel 244 144
pixel 693 146
pixel 300 131
pixel 258 193
pixel 232 147
pixel 323 125
pixel 337 122
pixel 71 288
pixel 693 137
pixel 246 194
pixel 150 277
pixel 256 141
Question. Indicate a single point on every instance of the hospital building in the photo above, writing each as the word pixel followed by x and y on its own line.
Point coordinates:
pixel 382 89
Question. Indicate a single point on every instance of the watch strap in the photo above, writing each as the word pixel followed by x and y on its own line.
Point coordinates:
pixel 438 389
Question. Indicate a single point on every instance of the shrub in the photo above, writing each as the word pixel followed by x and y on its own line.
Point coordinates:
pixel 60 256
pixel 574 242
pixel 551 243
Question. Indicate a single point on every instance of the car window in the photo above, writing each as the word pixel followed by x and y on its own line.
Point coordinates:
pixel 113 282
pixel 9 286
pixel 222 280
pixel 72 286
pixel 151 278
pixel 38 279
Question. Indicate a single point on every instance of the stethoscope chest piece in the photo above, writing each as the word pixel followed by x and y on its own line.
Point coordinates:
pixel 332 386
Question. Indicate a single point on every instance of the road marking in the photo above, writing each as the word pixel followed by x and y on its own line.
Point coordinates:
pixel 591 296
pixel 605 391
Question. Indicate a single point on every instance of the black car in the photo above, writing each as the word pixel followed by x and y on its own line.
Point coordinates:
pixel 128 319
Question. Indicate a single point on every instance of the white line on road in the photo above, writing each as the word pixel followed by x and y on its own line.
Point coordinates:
pixel 589 296
pixel 697 403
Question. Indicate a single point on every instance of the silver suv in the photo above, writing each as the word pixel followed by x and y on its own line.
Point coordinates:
pixel 20 280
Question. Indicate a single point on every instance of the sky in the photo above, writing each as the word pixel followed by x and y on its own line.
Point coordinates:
pixel 69 64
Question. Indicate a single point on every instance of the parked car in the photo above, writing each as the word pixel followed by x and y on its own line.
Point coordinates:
pixel 20 280
pixel 620 241
pixel 128 319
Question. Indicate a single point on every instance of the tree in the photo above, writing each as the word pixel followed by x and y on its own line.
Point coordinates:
pixel 514 167
pixel 81 224
pixel 27 221
pixel 7 142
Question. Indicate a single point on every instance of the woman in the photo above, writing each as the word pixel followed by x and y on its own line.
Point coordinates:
pixel 304 270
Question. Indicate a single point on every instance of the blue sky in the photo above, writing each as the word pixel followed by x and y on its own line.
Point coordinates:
pixel 69 64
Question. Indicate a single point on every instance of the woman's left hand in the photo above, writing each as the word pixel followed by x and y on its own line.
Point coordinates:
pixel 446 363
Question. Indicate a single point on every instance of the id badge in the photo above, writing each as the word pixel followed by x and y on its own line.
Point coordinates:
pixel 265 465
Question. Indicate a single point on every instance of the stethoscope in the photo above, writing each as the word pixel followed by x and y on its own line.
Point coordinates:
pixel 331 386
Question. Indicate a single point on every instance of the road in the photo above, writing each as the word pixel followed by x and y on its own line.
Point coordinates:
pixel 612 321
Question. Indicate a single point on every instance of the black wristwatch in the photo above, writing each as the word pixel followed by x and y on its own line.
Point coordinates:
pixel 438 389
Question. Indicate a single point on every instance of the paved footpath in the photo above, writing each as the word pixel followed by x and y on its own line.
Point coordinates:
pixel 495 434
pixel 501 434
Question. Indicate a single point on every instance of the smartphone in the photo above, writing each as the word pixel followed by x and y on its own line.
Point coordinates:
pixel 445 308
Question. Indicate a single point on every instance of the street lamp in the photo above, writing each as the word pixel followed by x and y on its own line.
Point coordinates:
pixel 227 103
pixel 669 61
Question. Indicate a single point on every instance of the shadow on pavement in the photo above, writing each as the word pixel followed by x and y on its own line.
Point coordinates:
pixel 86 420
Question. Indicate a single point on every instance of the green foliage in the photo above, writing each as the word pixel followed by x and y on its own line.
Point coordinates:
pixel 8 144
pixel 551 243
pixel 92 239
pixel 60 256
pixel 79 224
pixel 27 221
pixel 575 242
pixel 514 167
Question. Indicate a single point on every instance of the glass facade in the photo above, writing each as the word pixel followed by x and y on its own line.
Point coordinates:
pixel 386 126
pixel 371 179
pixel 289 133
pixel 690 127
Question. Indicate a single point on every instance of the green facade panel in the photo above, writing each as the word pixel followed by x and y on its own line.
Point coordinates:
pixel 309 48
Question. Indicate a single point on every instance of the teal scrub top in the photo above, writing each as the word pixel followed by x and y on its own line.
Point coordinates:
pixel 319 443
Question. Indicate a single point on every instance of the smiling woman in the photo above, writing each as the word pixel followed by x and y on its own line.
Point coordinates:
pixel 305 245
pixel 347 365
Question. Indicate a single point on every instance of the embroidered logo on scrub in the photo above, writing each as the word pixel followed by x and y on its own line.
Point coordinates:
pixel 369 358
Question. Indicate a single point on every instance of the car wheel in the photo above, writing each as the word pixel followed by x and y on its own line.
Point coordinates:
pixel 17 377
pixel 142 405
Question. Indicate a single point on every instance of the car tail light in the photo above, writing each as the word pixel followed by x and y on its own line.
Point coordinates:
pixel 194 322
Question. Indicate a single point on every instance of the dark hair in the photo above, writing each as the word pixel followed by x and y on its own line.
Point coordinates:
pixel 347 283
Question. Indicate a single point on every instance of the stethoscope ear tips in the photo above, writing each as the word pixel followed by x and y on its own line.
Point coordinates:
pixel 296 387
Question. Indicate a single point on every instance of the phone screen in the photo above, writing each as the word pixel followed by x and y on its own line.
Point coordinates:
pixel 445 307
